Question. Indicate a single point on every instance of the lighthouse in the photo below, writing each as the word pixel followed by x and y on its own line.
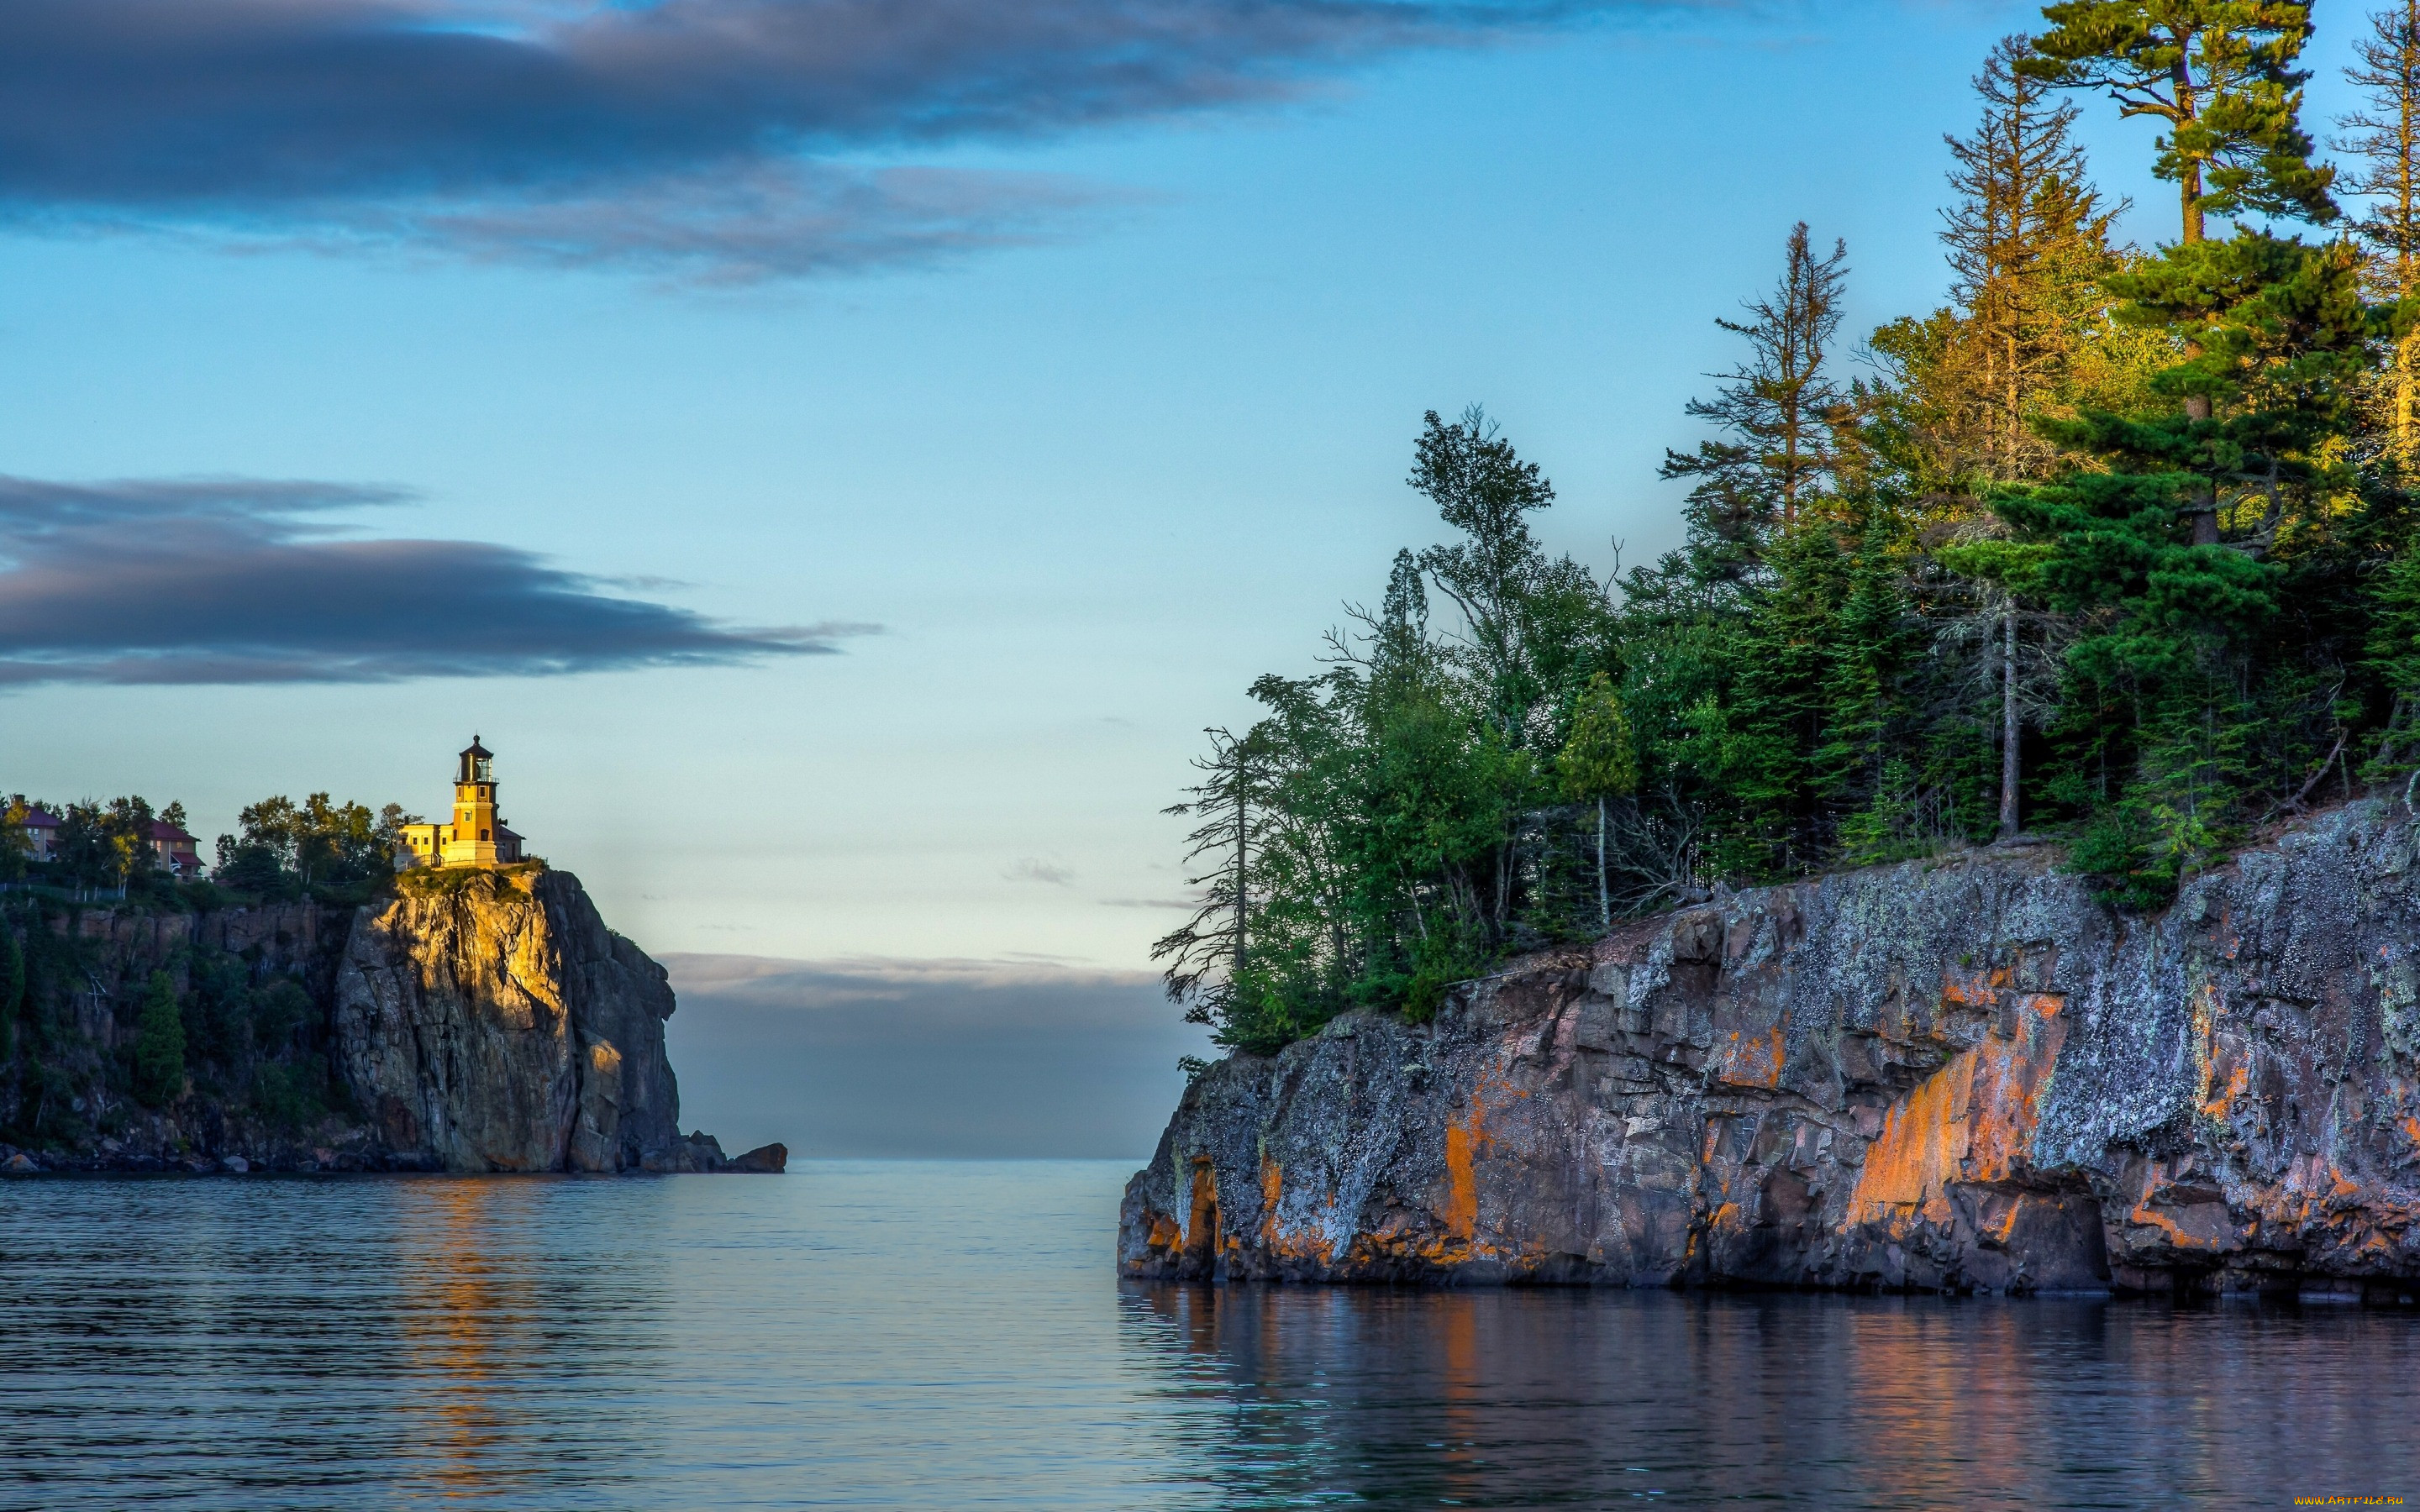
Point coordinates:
pixel 476 836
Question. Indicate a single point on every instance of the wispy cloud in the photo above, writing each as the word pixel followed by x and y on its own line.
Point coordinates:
pixel 244 581
pixel 755 222
pixel 705 137
pixel 1032 870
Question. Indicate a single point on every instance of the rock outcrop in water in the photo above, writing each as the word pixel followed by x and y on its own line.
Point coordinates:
pixel 1961 1073
pixel 471 1021
pixel 493 1023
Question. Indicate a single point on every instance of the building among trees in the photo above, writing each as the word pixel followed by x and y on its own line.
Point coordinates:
pixel 174 848
pixel 41 825
pixel 477 836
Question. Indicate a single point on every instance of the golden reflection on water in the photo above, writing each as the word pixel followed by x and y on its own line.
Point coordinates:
pixel 457 1327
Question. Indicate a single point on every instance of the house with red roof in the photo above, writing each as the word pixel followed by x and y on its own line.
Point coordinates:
pixel 41 827
pixel 175 851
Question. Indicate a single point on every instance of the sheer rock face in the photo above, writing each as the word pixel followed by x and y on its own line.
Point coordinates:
pixel 499 1025
pixel 1961 1073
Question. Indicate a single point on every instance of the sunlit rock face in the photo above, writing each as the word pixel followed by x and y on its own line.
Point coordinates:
pixel 494 1023
pixel 1962 1074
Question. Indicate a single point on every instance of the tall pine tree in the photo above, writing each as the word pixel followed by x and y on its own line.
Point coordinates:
pixel 1778 412
pixel 2385 139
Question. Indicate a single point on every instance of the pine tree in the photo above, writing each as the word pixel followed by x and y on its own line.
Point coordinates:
pixel 1209 954
pixel 2028 242
pixel 2386 140
pixel 1779 410
pixel 2221 75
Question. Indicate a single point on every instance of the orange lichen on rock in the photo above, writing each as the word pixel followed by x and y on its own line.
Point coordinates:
pixel 1753 1060
pixel 1278 1240
pixel 1201 1223
pixel 1976 990
pixel 1923 1142
pixel 2239 1080
pixel 1461 1211
pixel 1972 1120
pixel 2186 1218
pixel 1466 1138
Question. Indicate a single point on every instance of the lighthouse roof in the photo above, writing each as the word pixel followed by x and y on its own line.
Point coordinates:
pixel 476 749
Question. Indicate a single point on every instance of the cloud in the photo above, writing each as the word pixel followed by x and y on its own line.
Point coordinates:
pixel 755 222
pixel 1031 870
pixel 926 1057
pixel 701 136
pixel 242 581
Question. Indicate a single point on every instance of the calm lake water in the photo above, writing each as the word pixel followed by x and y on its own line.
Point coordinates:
pixel 949 1335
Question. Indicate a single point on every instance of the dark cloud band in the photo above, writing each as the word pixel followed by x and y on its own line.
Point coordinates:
pixel 693 134
pixel 235 581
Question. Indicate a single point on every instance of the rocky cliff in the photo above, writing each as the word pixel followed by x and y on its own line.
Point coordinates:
pixel 1961 1073
pixel 488 1021
pixel 470 1020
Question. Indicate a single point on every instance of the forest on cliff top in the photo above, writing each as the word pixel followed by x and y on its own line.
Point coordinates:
pixel 2118 548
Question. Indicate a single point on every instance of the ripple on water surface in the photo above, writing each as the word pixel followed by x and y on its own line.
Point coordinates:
pixel 916 1335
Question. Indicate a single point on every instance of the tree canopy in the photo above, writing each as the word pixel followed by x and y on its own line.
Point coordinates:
pixel 2116 550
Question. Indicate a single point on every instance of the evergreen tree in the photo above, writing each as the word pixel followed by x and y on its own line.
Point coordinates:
pixel 1209 954
pixel 160 1044
pixel 2111 552
pixel 2385 138
pixel 2028 244
pixel 2221 75
pixel 1779 412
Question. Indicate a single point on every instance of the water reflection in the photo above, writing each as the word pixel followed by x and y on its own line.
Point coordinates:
pixel 938 1335
pixel 290 1343
pixel 1543 1398
pixel 520 1352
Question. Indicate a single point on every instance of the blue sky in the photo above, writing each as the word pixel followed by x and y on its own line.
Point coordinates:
pixel 1110 417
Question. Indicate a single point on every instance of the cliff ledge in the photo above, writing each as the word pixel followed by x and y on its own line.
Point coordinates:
pixel 471 1021
pixel 1961 1073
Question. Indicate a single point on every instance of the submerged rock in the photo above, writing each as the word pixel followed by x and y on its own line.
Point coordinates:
pixel 1961 1073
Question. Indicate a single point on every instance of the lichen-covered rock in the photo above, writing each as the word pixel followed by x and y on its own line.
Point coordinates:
pixel 493 1023
pixel 1959 1073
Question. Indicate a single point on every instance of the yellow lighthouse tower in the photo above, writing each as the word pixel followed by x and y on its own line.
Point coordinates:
pixel 477 836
